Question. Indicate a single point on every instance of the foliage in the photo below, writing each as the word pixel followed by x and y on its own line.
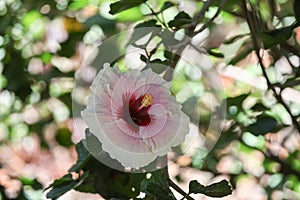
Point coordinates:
pixel 41 45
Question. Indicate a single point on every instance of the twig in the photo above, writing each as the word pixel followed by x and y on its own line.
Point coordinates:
pixel 200 15
pixel 179 190
pixel 156 15
pixel 256 46
pixel 211 19
pixel 190 30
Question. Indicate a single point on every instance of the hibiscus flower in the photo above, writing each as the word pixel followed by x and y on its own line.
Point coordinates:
pixel 134 115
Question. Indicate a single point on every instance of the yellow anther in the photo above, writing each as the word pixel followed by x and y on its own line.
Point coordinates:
pixel 147 100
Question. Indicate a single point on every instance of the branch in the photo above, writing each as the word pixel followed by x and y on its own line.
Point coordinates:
pixel 200 15
pixel 179 190
pixel 211 19
pixel 256 45
pixel 190 31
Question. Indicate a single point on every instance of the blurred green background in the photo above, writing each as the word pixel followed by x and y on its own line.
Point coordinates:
pixel 43 44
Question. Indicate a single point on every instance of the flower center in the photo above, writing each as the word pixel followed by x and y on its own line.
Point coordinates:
pixel 138 109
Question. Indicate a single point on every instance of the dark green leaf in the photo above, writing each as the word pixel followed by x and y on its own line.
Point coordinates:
pixel 236 101
pixel 259 107
pixel 58 191
pixel 150 23
pixel 195 187
pixel 167 5
pixel 63 185
pixel 143 29
pixel 215 53
pixel 108 26
pixel 156 186
pixel 64 179
pixel 122 5
pixel 159 192
pixel 83 157
pixel 63 137
pixel 235 38
pixel 180 20
pixel 158 66
pixel 241 56
pixel 108 182
pixel 296 10
pixel 144 58
pixel 219 189
pixel 169 55
pixel 225 139
pixel 276 36
pixel 168 38
pixel 263 125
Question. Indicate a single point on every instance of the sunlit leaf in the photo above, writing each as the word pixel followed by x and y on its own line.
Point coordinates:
pixel 215 53
pixel 122 5
pixel 132 14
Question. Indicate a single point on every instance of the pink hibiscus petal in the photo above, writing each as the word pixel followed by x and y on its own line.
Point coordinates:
pixel 134 116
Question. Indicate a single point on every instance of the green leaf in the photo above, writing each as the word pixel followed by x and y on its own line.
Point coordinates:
pixel 156 187
pixel 225 139
pixel 131 15
pixel 143 29
pixel 144 58
pixel 63 185
pixel 58 191
pixel 180 20
pixel 64 179
pixel 241 56
pixel 168 38
pixel 63 137
pixel 235 38
pixel 219 189
pixel 167 5
pixel 46 57
pixel 277 36
pixel 30 17
pixel 78 4
pixel 214 52
pixel 83 157
pixel 263 125
pixel 122 5
pixel 108 26
pixel 195 187
pixel 108 182
pixel 296 10
pixel 259 107
pixel 150 23
pixel 236 101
